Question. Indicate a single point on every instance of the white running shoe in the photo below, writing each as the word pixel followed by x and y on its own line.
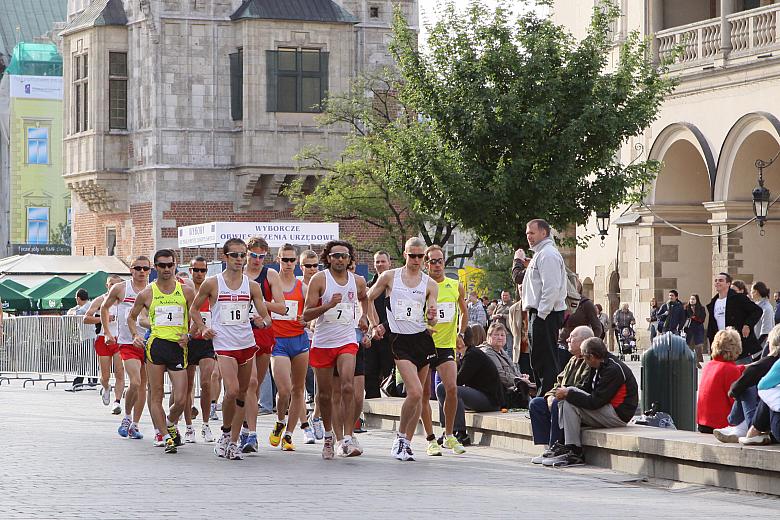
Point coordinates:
pixel 731 433
pixel 205 432
pixel 357 445
pixel 234 452
pixel 222 445
pixel 105 395
pixel 308 436
pixel 327 449
pixel 117 409
pixel 348 449
pixel 158 440
pixel 397 450
pixel 189 435
pixel 319 429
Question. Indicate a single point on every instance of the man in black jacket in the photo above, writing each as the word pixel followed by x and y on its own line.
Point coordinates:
pixel 671 315
pixel 608 399
pixel 379 359
pixel 731 309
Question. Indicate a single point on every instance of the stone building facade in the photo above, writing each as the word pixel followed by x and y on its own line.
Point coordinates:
pixel 179 112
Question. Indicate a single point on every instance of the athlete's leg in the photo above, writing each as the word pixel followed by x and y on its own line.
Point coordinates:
pixel 134 368
pixel 425 413
pixel 261 363
pixel 324 382
pixel 105 372
pixel 298 369
pixel 179 385
pixel 140 396
pixel 156 379
pixel 346 367
pixel 448 372
pixel 206 389
pixel 412 406
pixel 280 367
pixel 244 375
pixel 228 367
pixel 360 393
pixel 119 377
pixel 190 384
pixel 335 408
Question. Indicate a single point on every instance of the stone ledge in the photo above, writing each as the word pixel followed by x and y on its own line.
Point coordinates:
pixel 653 452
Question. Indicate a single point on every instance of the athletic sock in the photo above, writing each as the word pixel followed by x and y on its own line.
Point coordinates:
pixel 347 439
pixel 225 429
pixel 252 432
pixel 430 438
pixel 128 417
pixel 328 435
pixel 245 425
pixel 304 425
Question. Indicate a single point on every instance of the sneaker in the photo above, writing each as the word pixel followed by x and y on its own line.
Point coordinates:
pixel 250 446
pixel 243 436
pixel 234 452
pixel 552 451
pixel 123 427
pixel 308 436
pixel 221 447
pixel 408 451
pixel 357 446
pixel 117 409
pixel 761 439
pixel 463 438
pixel 396 450
pixel 105 396
pixel 189 435
pixel 319 429
pixel 730 433
pixel 213 415
pixel 348 449
pixel 327 449
pixel 194 412
pixel 452 443
pixel 158 440
pixel 287 443
pixel 433 450
pixel 276 434
pixel 170 446
pixel 205 432
pixel 133 432
pixel 572 458
pixel 173 431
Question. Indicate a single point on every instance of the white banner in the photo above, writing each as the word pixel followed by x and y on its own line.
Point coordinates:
pixel 276 233
pixel 36 87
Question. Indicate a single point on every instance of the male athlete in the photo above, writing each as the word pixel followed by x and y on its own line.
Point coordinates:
pixel 310 261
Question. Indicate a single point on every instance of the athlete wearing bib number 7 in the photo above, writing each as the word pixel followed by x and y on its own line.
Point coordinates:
pixel 167 302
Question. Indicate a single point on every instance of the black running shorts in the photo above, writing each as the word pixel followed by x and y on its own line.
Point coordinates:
pixel 417 348
pixel 169 353
pixel 198 349
pixel 442 356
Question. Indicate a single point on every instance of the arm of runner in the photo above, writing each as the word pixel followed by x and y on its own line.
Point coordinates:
pixel 189 296
pixel 304 288
pixel 312 309
pixel 111 299
pixel 365 305
pixel 381 285
pixel 198 328
pixel 261 307
pixel 142 301
pixel 277 305
pixel 94 308
pixel 464 310
pixel 143 319
pixel 433 296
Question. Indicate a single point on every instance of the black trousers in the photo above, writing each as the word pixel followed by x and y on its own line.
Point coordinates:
pixel 379 364
pixel 543 340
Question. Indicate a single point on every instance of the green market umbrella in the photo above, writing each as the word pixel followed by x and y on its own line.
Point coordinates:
pixel 13 284
pixel 46 287
pixel 13 300
pixel 65 297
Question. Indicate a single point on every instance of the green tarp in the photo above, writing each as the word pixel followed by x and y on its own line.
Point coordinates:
pixel 40 290
pixel 13 284
pixel 65 297
pixel 13 300
pixel 35 59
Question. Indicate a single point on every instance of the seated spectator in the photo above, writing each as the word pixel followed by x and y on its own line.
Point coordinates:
pixel 766 423
pixel 516 385
pixel 544 410
pixel 745 392
pixel 607 399
pixel 714 403
pixel 479 388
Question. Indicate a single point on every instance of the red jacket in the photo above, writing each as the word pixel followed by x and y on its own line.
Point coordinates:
pixel 714 404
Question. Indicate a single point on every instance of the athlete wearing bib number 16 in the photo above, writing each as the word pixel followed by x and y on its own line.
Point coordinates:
pixel 230 294
pixel 168 304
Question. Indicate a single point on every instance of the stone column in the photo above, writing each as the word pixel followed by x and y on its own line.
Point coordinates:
pixel 726 8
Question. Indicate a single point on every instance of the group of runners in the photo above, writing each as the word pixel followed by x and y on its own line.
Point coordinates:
pixel 233 325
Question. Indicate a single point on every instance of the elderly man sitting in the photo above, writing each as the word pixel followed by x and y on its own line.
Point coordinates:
pixel 544 410
pixel 608 399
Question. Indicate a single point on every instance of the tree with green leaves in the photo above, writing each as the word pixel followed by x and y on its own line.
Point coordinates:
pixel 531 119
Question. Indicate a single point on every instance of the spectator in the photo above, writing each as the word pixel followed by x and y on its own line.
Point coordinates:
pixel 544 298
pixel 514 383
pixel 766 423
pixel 604 320
pixel 745 392
pixel 653 319
pixel 500 314
pixel 544 410
pixel 623 318
pixel 586 313
pixel 477 312
pixel 694 329
pixel 760 295
pixel 608 399
pixel 714 403
pixel 518 326
pixel 730 309
pixel 82 304
pixel 379 358
pixel 671 315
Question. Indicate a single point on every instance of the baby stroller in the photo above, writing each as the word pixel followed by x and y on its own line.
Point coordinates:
pixel 627 346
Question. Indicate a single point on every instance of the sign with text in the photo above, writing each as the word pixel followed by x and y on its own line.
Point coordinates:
pixel 36 87
pixel 40 249
pixel 276 233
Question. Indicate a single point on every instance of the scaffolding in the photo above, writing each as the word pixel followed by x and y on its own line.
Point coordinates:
pixel 35 59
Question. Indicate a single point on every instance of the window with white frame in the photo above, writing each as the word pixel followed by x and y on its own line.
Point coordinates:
pixel 37 225
pixel 37 145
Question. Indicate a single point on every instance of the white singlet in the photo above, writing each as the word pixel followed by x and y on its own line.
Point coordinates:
pixel 112 322
pixel 230 316
pixel 336 327
pixel 406 314
pixel 123 310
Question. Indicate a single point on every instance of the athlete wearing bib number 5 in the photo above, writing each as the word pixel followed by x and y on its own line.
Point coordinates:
pixel 167 302
pixel 230 294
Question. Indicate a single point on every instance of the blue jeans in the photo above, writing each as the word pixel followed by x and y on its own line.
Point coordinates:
pixel 744 407
pixel 544 421
pixel 468 397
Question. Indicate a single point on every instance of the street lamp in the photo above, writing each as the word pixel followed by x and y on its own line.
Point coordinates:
pixel 761 193
pixel 602 224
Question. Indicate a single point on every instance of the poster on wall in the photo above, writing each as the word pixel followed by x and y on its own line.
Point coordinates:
pixel 275 233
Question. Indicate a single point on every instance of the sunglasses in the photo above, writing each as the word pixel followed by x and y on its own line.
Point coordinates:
pixel 310 266
pixel 140 268
pixel 236 254
pixel 165 265
pixel 199 270
pixel 415 255
pixel 256 256
pixel 435 261
pixel 288 260
pixel 339 256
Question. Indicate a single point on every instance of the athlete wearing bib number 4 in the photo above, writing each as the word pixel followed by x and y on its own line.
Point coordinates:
pixel 230 294
pixel 167 302
pixel 413 296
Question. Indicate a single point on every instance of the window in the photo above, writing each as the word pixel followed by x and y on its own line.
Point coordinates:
pixel 373 12
pixel 37 225
pixel 37 146
pixel 297 79
pixel 117 90
pixel 237 85
pixel 110 241
pixel 80 93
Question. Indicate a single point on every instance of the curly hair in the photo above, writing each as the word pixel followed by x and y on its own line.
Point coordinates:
pixel 325 256
pixel 727 344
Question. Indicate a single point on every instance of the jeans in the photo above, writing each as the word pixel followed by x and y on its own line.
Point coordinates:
pixel 744 407
pixel 544 421
pixel 468 397
pixel 767 420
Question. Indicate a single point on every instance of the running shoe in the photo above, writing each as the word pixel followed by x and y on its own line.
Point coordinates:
pixel 319 429
pixel 572 458
pixel 117 409
pixel 189 435
pixel 170 446
pixel 122 430
pixel 287 443
pixel 250 446
pixel 433 449
pixel 452 443
pixel 205 432
pixel 105 395
pixel 213 415
pixel 221 447
pixel 243 436
pixel 553 451
pixel 233 452
pixel 357 445
pixel 158 440
pixel 397 450
pixel 133 432
pixel 308 436
pixel 409 456
pixel 327 449
pixel 173 431
pixel 348 449
pixel 276 434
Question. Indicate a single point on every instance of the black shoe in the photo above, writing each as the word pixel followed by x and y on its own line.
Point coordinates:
pixel 440 440
pixel 571 457
pixel 463 438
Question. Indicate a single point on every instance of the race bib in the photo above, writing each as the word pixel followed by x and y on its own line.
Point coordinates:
pixel 409 310
pixel 206 317
pixel 343 313
pixel 290 315
pixel 169 316
pixel 233 313
pixel 445 312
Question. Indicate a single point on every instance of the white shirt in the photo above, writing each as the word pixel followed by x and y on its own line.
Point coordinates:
pixel 720 313
pixel 544 284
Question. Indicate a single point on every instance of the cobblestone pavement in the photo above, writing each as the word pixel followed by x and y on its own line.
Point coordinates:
pixel 62 458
